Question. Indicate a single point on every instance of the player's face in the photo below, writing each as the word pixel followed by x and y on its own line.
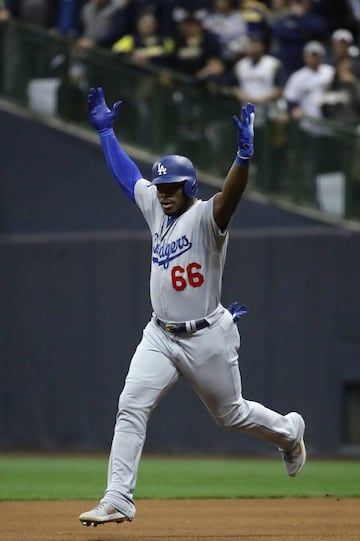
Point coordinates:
pixel 172 198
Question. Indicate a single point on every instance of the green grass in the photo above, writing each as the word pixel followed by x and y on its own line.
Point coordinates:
pixel 67 478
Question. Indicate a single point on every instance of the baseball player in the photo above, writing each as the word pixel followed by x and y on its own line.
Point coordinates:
pixel 190 333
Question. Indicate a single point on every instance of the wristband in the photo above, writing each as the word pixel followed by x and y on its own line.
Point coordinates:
pixel 240 161
pixel 104 132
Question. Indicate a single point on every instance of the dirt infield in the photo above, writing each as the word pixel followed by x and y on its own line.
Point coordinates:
pixel 189 520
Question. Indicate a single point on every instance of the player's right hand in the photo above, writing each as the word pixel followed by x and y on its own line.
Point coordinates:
pixel 245 128
pixel 101 116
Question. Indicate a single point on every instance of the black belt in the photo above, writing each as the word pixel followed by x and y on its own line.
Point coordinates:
pixel 181 328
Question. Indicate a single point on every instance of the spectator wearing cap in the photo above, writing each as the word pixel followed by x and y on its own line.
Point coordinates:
pixel 342 41
pixel 303 93
pixel 341 101
pixel 257 17
pixel 343 46
pixel 305 86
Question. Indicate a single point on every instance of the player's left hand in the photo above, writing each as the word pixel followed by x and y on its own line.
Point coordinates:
pixel 246 131
pixel 237 310
pixel 101 116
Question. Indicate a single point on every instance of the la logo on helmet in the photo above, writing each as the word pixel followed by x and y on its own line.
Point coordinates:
pixel 161 169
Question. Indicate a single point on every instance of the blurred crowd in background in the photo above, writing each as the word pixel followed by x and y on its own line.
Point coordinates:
pixel 303 51
pixel 296 60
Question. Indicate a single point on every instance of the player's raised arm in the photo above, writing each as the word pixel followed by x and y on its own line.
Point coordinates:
pixel 226 201
pixel 102 118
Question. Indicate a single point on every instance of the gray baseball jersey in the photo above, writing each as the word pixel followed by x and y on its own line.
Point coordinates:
pixel 188 257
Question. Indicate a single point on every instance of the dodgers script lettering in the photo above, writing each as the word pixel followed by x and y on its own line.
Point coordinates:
pixel 164 252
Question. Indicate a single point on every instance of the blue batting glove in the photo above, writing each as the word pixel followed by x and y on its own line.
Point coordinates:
pixel 101 117
pixel 245 134
pixel 237 310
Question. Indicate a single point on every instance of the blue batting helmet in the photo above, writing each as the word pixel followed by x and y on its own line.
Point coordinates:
pixel 175 168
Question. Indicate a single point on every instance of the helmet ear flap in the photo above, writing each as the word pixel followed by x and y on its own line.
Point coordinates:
pixel 190 188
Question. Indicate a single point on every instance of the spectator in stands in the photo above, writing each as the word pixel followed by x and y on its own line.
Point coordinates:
pixel 103 22
pixel 291 31
pixel 178 10
pixel 341 101
pixel 146 45
pixel 59 15
pixel 198 57
pixel 260 77
pixel 198 52
pixel 257 17
pixel 341 104
pixel 19 61
pixel 278 8
pixel 342 46
pixel 305 87
pixel 260 80
pixel 227 24
pixel 341 42
pixel 170 12
pixel 303 92
pixel 68 17
pixel 160 8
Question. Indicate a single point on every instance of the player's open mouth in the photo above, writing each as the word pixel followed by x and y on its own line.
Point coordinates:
pixel 166 205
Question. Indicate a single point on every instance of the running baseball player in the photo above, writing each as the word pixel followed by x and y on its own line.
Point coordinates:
pixel 190 333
